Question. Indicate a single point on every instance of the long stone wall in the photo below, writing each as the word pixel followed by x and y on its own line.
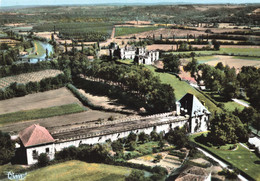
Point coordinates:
pixel 163 123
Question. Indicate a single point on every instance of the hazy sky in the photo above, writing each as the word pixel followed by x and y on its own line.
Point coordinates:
pixel 59 2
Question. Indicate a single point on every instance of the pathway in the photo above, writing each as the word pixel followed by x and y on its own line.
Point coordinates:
pixel 241 102
pixel 221 163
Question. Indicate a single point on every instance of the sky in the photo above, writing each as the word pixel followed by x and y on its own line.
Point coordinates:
pixel 70 2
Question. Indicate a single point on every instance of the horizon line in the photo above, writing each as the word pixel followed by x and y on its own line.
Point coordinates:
pixel 136 4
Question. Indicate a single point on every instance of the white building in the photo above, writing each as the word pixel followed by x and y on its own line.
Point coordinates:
pixel 139 54
pixel 199 115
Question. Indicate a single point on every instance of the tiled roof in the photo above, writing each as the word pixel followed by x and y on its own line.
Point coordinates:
pixel 35 135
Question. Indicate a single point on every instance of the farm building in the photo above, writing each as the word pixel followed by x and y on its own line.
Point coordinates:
pixel 36 139
pixel 139 54
pixel 198 113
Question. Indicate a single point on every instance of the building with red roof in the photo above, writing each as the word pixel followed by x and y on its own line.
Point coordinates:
pixel 36 140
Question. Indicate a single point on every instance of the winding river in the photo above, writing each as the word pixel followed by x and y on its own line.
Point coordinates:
pixel 39 52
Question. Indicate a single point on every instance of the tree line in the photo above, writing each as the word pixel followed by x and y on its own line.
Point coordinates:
pixel 18 90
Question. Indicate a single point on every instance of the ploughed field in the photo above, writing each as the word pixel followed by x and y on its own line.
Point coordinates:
pixel 61 104
pixel 27 77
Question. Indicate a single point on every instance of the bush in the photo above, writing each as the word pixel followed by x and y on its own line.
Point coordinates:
pixel 43 160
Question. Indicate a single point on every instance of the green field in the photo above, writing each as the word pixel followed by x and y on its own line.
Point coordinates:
pixel 127 61
pixel 121 31
pixel 37 48
pixel 77 170
pixel 241 158
pixel 91 31
pixel 203 59
pixel 4 169
pixel 228 105
pixel 247 58
pixel 181 88
pixel 235 51
pixel 40 113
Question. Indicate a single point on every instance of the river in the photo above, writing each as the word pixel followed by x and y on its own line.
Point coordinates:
pixel 40 56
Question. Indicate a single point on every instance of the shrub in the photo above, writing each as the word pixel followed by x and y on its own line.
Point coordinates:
pixel 43 160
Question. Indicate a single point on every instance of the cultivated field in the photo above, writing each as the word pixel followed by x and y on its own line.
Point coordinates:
pixel 168 161
pixel 27 77
pixel 121 31
pixel 39 100
pixel 236 62
pixel 167 33
pixel 80 171
pixel 14 117
pixel 228 49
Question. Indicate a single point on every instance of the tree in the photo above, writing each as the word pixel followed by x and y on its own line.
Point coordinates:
pixel 178 137
pixel 256 123
pixel 7 148
pixel 143 137
pixel 227 128
pixel 131 137
pixel 43 160
pixel 192 67
pixel 136 175
pixel 161 143
pixel 172 63
pixel 248 115
pixel 154 136
pixel 216 44
pixel 132 145
pixel 47 53
pixel 219 66
pixel 117 146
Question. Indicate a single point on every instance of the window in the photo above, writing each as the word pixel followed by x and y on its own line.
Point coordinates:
pixel 34 154
pixel 47 150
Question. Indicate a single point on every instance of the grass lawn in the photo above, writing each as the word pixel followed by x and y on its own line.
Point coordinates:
pixel 228 105
pixel 241 158
pixel 121 31
pixel 4 169
pixel 77 170
pixel 231 106
pixel 127 61
pixel 181 88
pixel 40 113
